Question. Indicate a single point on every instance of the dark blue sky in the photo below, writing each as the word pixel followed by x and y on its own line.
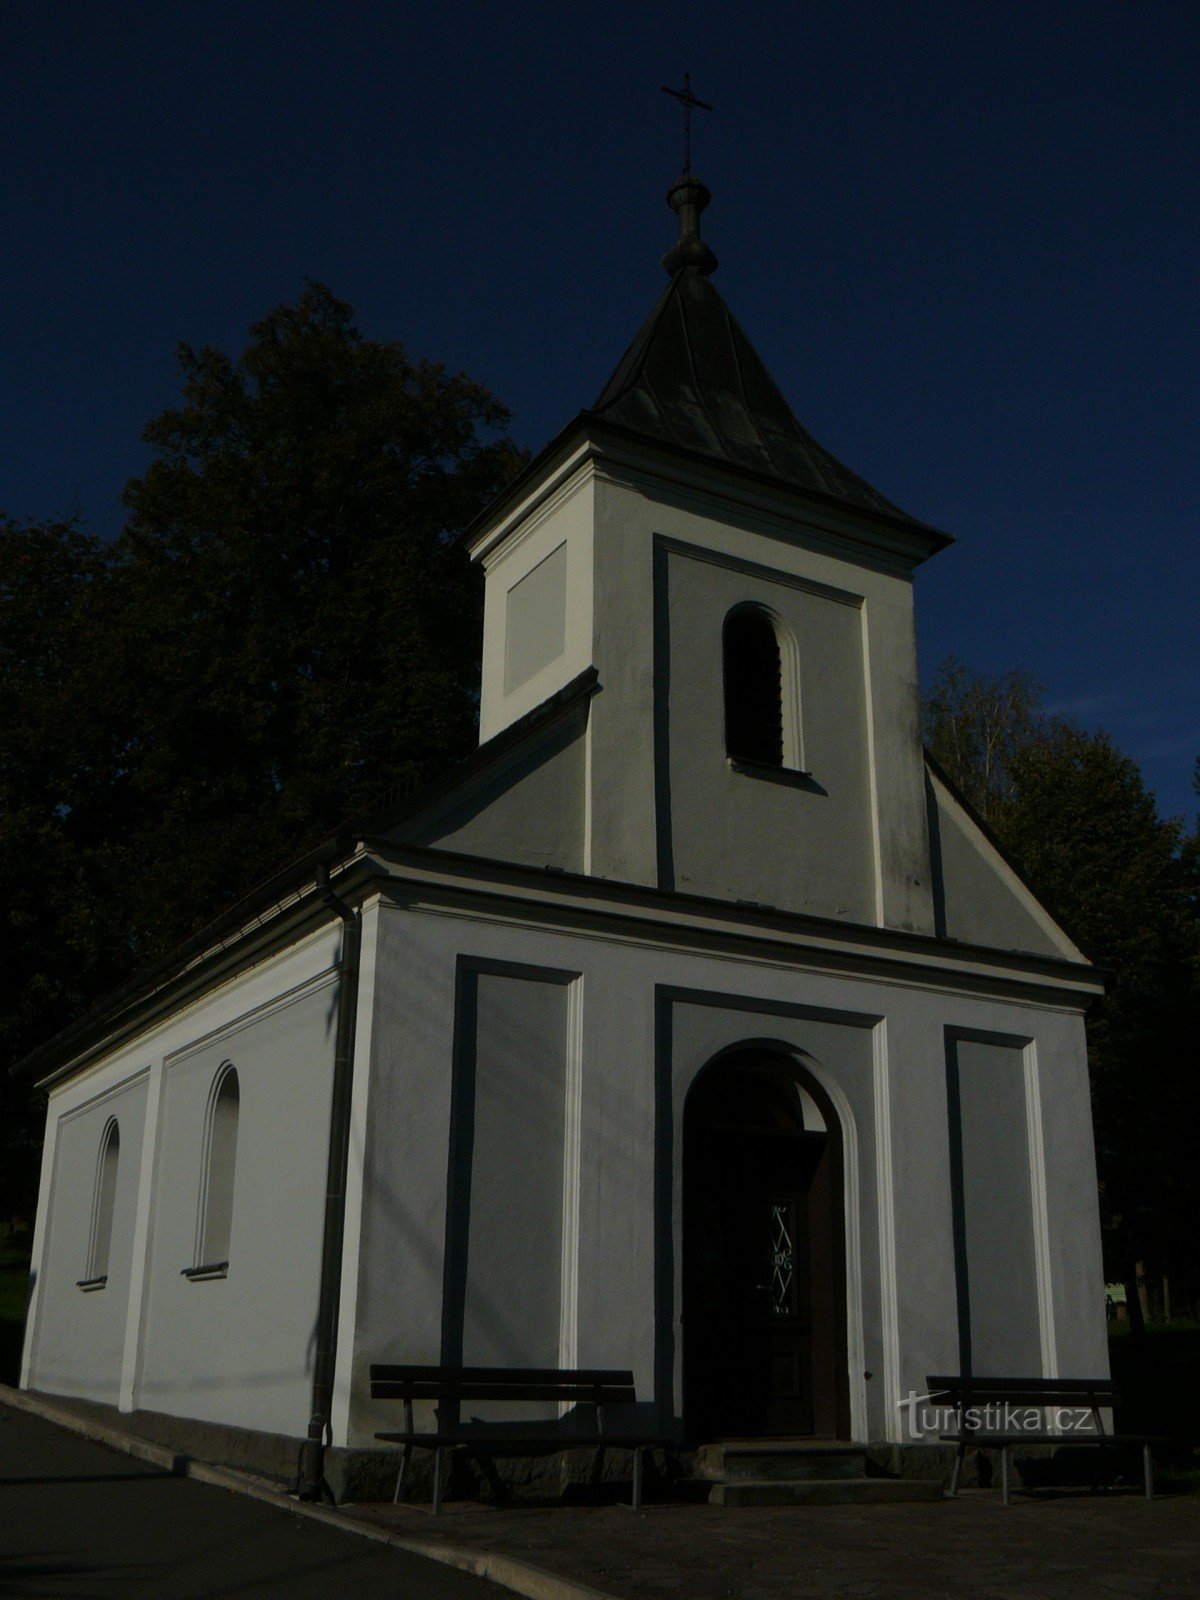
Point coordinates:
pixel 963 235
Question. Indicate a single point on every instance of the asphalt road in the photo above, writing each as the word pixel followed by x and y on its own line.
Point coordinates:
pixel 82 1522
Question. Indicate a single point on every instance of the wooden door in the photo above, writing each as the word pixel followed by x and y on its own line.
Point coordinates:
pixel 761 1287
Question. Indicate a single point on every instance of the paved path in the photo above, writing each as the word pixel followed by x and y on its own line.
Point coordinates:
pixel 1068 1547
pixel 80 1522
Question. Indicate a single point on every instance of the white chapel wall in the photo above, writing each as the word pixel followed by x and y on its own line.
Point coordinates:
pixel 237 1349
pixel 879 1047
pixel 82 1342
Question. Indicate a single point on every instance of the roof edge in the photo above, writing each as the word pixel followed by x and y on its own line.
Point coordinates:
pixel 587 425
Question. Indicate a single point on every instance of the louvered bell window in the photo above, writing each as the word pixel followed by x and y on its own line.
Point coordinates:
pixel 753 689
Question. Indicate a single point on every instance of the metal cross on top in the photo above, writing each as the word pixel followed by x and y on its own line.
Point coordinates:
pixel 687 100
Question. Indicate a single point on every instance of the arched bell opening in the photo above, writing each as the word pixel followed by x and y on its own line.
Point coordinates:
pixel 764 1263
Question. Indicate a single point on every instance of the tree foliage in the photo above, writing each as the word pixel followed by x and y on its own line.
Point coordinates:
pixel 302 629
pixel 56 765
pixel 284 628
pixel 977 725
pixel 1075 815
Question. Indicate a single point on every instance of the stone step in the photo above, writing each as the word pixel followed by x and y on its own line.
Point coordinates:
pixel 823 1492
pixel 759 1460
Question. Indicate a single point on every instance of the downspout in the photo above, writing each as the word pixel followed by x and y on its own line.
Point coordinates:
pixel 312 1484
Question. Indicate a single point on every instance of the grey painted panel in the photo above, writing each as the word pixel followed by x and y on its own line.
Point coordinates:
pixel 81 1337
pixel 505 1255
pixel 999 1318
pixel 535 625
pixel 531 810
pixel 239 1349
pixel 802 845
pixel 972 901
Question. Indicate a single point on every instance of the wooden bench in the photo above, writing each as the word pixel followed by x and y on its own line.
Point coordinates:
pixel 451 1386
pixel 976 1399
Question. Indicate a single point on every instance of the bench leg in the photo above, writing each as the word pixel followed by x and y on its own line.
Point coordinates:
pixel 438 1456
pixel 1005 1477
pixel 637 1477
pixel 1148 1471
pixel 400 1476
pixel 959 1454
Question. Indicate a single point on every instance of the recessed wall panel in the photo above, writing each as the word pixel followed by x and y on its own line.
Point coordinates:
pixel 995 1262
pixel 535 622
pixel 505 1249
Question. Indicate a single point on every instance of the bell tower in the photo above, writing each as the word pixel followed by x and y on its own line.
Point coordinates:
pixel 745 601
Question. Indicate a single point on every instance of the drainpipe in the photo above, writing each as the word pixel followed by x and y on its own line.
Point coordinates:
pixel 312 1484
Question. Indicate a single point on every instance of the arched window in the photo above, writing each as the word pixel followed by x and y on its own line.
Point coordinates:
pixel 220 1161
pixel 103 1204
pixel 755 723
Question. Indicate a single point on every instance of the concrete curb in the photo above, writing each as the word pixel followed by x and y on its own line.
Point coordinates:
pixel 508 1572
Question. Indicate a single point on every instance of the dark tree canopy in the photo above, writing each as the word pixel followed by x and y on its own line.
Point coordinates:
pixel 56 811
pixel 284 629
pixel 302 631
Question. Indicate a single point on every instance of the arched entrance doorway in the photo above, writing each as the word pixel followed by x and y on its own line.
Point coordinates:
pixel 764 1295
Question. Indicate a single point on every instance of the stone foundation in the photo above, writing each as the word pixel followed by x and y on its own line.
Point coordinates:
pixel 365 1475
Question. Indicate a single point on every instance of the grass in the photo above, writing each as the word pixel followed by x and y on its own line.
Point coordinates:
pixel 1117 1331
pixel 1172 1482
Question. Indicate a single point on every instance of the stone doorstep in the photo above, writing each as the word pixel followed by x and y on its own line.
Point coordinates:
pixel 745 1460
pixel 796 1472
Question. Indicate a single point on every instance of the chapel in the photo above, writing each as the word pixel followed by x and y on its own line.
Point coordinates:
pixel 694 1026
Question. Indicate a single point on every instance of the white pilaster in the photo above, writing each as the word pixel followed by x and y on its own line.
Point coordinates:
pixel 143 1244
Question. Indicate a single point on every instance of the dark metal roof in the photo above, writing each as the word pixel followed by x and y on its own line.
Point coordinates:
pixel 691 378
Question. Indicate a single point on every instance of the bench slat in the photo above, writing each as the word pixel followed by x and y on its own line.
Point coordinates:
pixel 470 1439
pixel 385 1373
pixel 1023 1391
pixel 589 1393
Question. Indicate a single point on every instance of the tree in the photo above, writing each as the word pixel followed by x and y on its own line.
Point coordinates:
pixel 302 630
pixel 976 725
pixel 56 795
pixel 284 629
pixel 1075 815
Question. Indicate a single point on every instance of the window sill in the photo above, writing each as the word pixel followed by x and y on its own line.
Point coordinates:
pixel 792 776
pixel 90 1285
pixel 210 1269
